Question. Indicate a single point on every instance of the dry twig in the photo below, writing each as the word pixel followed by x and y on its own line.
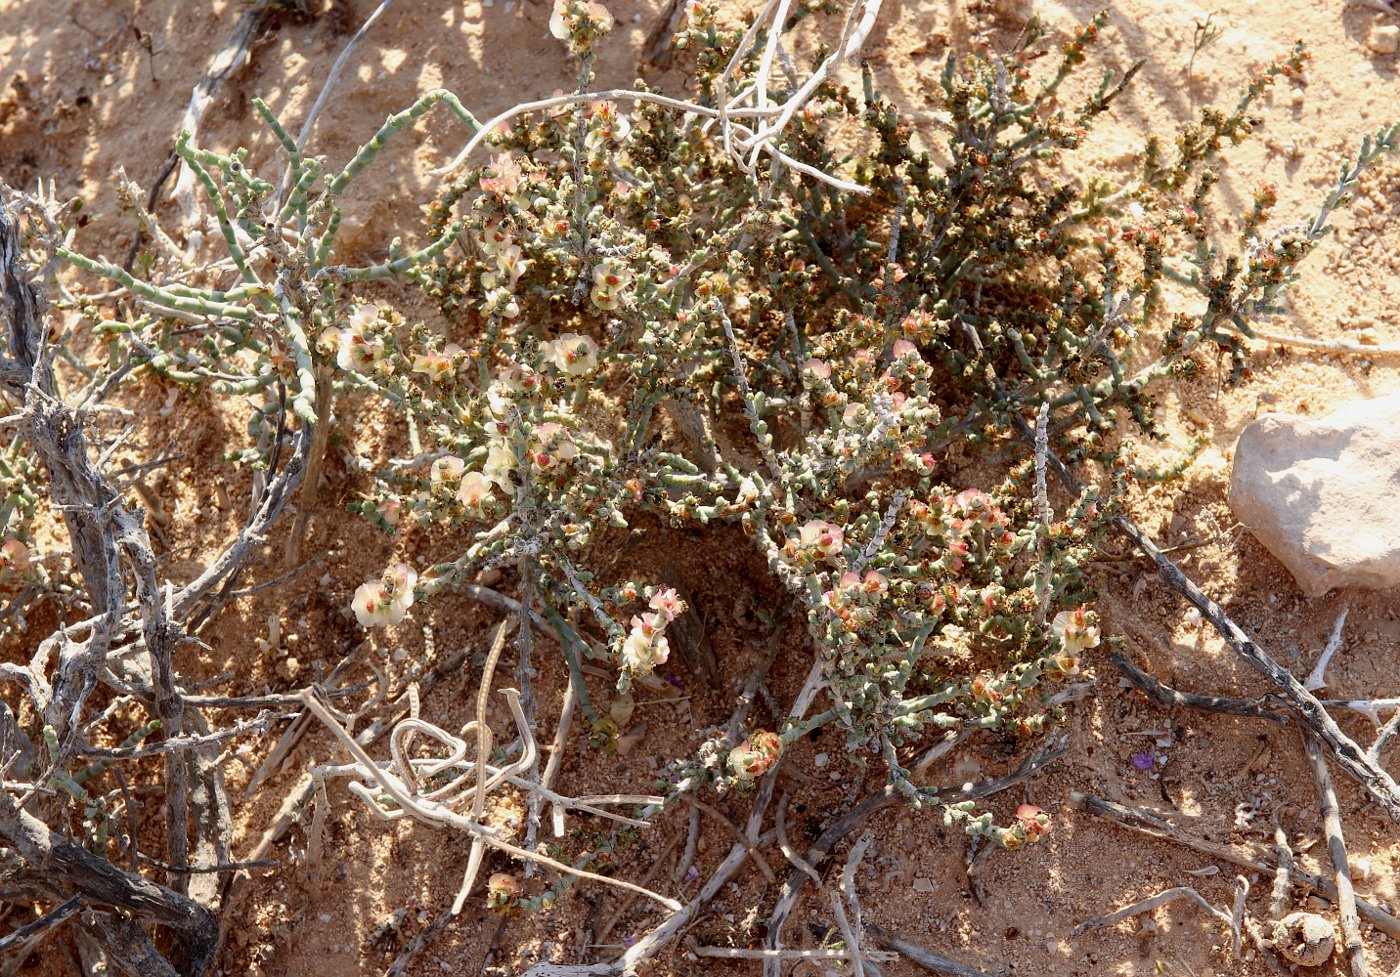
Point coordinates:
pixel 1257 859
pixel 933 962
pixel 1337 849
pixel 1149 904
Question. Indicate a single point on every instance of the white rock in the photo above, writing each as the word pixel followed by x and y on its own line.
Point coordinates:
pixel 1323 494
pixel 1384 39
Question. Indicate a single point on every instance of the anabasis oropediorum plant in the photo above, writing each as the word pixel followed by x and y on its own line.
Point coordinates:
pixel 651 310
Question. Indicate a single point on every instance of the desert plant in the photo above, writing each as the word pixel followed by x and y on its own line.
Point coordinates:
pixel 682 313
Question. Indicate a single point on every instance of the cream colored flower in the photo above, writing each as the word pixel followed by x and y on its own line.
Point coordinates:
pixel 571 354
pixel 1077 629
pixel 386 601
pixel 473 491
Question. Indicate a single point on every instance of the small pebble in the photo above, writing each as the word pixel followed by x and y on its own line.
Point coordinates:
pixel 821 760
pixel 923 885
pixel 324 917
pixel 1385 39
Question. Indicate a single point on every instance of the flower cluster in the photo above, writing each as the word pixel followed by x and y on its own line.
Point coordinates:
pixel 360 345
pixel 579 23
pixel 755 756
pixel 645 646
pixel 1077 630
pixel 1030 826
pixel 385 601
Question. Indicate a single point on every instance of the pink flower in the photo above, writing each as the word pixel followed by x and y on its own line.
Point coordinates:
pixel 391 511
pixel 755 756
pixel 818 368
pixel 435 366
pixel 14 555
pixel 551 445
pixel 446 474
pixel 359 348
pixel 823 536
pixel 502 891
pixel 668 603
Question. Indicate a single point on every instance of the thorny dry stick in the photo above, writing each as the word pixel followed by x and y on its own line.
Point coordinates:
pixel 1384 737
pixel 1283 880
pixel 331 78
pixel 29 935
pixel 1337 849
pixel 556 754
pixel 692 839
pixel 1317 678
pixel 108 537
pixel 1254 858
pixel 524 672
pixel 1271 707
pixel 1263 935
pixel 483 750
pixel 852 931
pixel 1149 904
pixel 790 853
pixel 1237 913
pixel 99 881
pixel 1302 342
pixel 649 945
pixel 848 933
pixel 416 945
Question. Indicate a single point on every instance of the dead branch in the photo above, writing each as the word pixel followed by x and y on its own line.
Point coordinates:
pixel 735 953
pixel 1337 849
pixel 225 63
pixel 933 962
pixel 1305 707
pixel 787 897
pixel 416 945
pixel 1253 857
pixel 1149 904
pixel 30 934
pixel 99 881
pixel 1168 697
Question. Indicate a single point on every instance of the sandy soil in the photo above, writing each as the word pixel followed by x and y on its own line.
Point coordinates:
pixel 80 95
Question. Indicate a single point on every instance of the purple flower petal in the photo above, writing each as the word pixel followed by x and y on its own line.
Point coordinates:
pixel 1143 761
